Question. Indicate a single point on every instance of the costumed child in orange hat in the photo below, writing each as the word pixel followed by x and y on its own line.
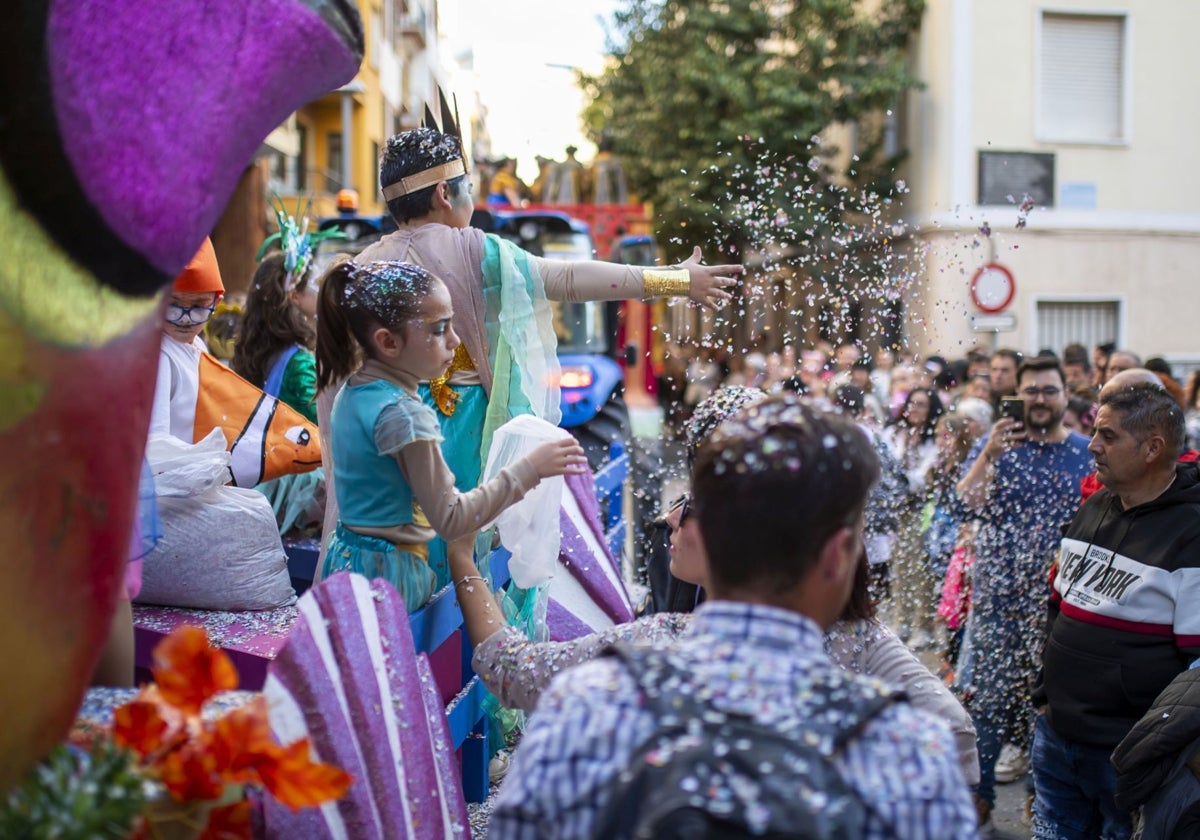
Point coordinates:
pixel 192 301
pixel 195 393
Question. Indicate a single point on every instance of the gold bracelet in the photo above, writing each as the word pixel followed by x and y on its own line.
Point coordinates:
pixel 666 282
pixel 468 578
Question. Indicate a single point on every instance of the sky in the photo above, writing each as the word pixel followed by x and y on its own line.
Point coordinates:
pixel 533 106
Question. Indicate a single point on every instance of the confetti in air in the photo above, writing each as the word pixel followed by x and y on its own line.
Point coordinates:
pixel 827 257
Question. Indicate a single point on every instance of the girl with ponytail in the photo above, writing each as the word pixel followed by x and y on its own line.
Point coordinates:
pixel 384 327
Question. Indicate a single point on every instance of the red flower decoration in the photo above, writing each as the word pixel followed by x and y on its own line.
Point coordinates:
pixel 297 781
pixel 195 759
pixel 191 772
pixel 189 671
pixel 231 822
pixel 140 726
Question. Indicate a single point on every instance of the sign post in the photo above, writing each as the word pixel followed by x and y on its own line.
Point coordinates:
pixel 992 290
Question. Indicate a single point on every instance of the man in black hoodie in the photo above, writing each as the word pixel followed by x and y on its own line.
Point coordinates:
pixel 1124 616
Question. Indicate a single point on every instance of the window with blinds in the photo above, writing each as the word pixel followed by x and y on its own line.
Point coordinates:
pixel 1087 322
pixel 1082 78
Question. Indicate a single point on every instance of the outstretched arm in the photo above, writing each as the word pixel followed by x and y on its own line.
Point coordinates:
pixel 453 514
pixel 708 285
pixel 512 667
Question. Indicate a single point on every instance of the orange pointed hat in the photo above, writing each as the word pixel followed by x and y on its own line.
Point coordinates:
pixel 202 274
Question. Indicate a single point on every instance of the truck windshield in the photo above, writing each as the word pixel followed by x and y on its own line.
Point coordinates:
pixel 579 326
pixel 567 246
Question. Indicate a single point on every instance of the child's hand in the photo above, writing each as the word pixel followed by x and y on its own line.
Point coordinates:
pixel 559 457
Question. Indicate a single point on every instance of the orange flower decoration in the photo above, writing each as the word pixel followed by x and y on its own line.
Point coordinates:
pixel 232 822
pixel 241 739
pixel 195 759
pixel 189 671
pixel 140 726
pixel 191 772
pixel 297 781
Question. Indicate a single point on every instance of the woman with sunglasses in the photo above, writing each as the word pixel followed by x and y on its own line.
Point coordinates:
pixel 516 670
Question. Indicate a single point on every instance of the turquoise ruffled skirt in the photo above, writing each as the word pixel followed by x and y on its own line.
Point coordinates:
pixel 373 557
pixel 298 499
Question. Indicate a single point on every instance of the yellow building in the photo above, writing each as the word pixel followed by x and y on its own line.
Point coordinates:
pixel 334 142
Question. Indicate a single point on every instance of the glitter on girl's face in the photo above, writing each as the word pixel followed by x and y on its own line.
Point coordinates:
pixel 429 340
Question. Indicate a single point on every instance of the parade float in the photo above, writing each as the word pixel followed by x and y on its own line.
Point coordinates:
pixel 125 128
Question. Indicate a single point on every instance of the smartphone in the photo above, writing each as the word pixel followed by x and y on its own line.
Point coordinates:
pixel 1013 408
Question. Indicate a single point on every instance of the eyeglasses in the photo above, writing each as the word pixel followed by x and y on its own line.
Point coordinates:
pixel 684 505
pixel 183 315
pixel 1049 392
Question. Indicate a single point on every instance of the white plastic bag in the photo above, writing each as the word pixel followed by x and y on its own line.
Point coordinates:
pixel 530 528
pixel 220 546
pixel 184 469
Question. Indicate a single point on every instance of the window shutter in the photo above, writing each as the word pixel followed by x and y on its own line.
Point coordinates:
pixel 1088 322
pixel 1082 77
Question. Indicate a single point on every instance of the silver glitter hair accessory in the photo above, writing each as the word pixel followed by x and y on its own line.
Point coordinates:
pixel 387 290
pixel 714 410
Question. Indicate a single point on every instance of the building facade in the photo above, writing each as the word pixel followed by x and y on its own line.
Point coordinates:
pixel 1078 108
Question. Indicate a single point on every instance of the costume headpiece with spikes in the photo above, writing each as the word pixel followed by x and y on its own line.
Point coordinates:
pixel 294 240
pixel 443 171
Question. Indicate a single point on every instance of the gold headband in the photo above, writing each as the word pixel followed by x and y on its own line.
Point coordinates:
pixel 427 178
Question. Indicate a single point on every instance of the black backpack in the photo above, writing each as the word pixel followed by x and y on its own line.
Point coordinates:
pixel 708 775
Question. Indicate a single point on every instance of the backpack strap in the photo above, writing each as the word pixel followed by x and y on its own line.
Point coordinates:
pixel 274 383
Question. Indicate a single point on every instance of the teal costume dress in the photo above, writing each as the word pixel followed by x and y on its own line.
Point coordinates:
pixel 374 421
pixel 522 352
pixel 519 340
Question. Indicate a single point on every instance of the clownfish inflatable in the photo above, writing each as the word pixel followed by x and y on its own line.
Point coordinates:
pixel 267 438
pixel 195 393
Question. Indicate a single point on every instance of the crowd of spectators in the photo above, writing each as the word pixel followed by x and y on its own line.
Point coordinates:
pixel 966 527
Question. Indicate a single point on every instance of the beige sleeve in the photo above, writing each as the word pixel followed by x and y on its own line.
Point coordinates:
pixel 590 280
pixel 451 513
pixel 890 660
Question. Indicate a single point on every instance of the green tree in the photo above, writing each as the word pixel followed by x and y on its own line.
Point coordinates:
pixel 714 108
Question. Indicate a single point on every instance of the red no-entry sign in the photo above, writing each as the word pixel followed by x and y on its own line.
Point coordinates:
pixel 992 288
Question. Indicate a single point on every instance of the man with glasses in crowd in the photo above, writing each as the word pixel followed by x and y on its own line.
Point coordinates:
pixel 1023 484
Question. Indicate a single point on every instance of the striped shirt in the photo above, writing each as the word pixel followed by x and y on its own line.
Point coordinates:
pixel 752 659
